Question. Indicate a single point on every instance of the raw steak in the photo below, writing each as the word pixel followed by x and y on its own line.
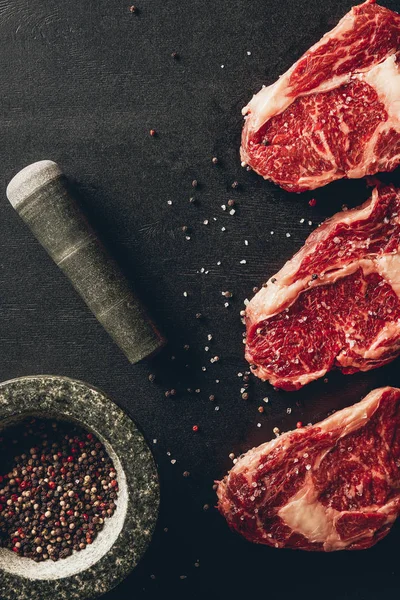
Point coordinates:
pixel 336 112
pixel 336 303
pixel 330 486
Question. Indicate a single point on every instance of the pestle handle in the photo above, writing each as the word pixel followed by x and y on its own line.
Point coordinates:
pixel 41 196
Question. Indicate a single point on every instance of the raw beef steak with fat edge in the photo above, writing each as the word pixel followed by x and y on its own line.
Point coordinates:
pixel 336 303
pixel 330 486
pixel 336 112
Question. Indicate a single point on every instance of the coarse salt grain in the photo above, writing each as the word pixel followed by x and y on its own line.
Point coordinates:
pixel 243 262
pixel 288 235
pixel 223 228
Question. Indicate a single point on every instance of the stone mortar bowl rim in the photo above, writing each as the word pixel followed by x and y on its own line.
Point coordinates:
pixel 61 397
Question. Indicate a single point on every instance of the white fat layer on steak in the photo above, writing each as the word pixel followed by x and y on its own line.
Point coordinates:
pixel 317 523
pixel 385 79
pixel 308 517
pixel 389 269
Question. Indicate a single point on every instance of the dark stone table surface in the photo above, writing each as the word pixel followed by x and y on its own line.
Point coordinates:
pixel 83 82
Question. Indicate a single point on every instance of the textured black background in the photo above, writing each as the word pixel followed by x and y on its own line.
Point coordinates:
pixel 82 83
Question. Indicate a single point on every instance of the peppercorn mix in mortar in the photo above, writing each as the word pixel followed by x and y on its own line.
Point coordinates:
pixel 57 488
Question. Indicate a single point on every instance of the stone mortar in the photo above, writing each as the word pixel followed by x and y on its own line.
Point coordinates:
pixel 126 535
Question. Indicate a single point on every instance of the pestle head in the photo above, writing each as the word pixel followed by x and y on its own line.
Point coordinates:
pixel 31 178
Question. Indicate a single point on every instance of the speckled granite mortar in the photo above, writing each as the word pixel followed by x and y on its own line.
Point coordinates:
pixel 125 537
